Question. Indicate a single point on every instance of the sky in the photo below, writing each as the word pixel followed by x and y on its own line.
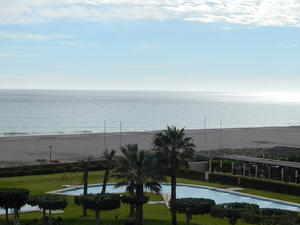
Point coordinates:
pixel 192 45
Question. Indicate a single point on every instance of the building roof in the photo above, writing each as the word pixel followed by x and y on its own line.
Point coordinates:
pixel 283 151
pixel 264 161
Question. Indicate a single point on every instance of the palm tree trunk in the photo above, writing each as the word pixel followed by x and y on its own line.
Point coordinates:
pixel 131 213
pixel 188 218
pixel 6 216
pixel 105 179
pixel 173 194
pixel 97 217
pixel 44 216
pixel 50 219
pixel 85 191
pixel 139 205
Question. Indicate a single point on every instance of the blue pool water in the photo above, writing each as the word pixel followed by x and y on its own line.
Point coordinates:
pixel 184 191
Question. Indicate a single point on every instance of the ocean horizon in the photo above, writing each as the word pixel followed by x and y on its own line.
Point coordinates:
pixel 39 112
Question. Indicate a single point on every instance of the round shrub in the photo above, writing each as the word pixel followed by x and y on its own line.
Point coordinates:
pixel 99 202
pixel 271 217
pixel 233 211
pixel 48 201
pixel 192 206
pixel 13 198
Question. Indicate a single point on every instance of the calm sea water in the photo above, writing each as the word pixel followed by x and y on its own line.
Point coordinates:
pixel 26 112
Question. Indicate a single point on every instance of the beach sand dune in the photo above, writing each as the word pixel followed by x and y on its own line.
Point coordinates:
pixel 66 148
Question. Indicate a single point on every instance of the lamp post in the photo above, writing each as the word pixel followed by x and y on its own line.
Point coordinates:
pixel 50 155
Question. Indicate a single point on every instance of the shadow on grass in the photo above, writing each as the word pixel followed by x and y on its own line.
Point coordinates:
pixel 90 221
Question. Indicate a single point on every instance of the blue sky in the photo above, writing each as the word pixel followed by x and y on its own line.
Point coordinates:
pixel 195 45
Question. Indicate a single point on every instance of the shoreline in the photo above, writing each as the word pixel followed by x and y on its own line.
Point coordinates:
pixel 57 134
pixel 73 147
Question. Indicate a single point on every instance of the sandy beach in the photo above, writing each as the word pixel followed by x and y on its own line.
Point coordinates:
pixel 66 148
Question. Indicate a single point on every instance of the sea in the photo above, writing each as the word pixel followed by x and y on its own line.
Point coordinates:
pixel 39 112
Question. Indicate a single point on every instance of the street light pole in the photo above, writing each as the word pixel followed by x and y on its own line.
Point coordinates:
pixel 50 151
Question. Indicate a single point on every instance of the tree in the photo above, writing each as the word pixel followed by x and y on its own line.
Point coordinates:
pixel 109 162
pixel 85 166
pixel 271 217
pixel 138 169
pixel 48 202
pixel 233 211
pixel 192 206
pixel 99 202
pixel 174 150
pixel 130 199
pixel 12 198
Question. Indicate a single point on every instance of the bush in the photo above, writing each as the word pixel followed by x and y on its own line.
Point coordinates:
pixel 192 206
pixel 12 198
pixel 191 174
pixel 250 182
pixel 99 202
pixel 47 169
pixel 271 217
pixel 260 184
pixel 233 211
pixel 48 202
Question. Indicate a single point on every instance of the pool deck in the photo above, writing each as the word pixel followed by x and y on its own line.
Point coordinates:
pixel 227 190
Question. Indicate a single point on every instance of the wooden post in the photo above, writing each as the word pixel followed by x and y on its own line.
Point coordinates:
pixel 209 165
pixel 244 168
pixel 296 175
pixel 282 173
pixel 232 165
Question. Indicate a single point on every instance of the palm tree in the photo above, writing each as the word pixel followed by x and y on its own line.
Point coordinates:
pixel 136 170
pixel 174 150
pixel 85 166
pixel 109 162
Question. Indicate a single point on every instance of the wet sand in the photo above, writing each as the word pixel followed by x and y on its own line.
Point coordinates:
pixel 73 147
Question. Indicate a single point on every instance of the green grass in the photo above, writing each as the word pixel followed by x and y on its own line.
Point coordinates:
pixel 157 214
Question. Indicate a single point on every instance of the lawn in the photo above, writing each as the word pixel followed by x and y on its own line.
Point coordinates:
pixel 157 214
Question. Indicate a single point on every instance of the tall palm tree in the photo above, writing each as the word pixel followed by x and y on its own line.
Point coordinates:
pixel 136 170
pixel 109 161
pixel 174 150
pixel 85 166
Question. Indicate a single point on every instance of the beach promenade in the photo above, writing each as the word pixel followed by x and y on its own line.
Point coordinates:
pixel 66 148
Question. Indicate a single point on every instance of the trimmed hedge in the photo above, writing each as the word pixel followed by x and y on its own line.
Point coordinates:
pixel 46 169
pixel 261 184
pixel 191 174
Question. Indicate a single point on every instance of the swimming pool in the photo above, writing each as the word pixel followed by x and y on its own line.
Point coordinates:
pixel 185 191
pixel 26 208
pixel 194 191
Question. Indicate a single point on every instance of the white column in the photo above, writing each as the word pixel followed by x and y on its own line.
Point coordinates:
pixel 232 165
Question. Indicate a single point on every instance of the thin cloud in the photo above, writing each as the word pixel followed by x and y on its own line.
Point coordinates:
pixel 14 55
pixel 281 45
pixel 245 12
pixel 30 36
